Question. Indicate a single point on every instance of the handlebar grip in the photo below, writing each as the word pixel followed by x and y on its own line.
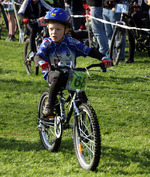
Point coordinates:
pixel 80 69
pixel 103 67
pixel 33 21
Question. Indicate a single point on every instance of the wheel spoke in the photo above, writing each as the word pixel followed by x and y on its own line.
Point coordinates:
pixel 89 146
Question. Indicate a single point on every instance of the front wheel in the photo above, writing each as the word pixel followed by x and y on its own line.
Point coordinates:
pixel 87 141
pixel 50 138
pixel 117 44
pixel 29 63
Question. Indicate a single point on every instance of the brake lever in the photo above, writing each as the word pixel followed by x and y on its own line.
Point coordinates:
pixel 109 70
pixel 103 67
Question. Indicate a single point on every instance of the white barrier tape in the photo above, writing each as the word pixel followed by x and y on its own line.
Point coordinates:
pixel 11 3
pixel 104 21
pixel 17 3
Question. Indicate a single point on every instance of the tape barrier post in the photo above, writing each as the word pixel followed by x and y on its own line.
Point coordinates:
pixel 17 20
pixel 88 28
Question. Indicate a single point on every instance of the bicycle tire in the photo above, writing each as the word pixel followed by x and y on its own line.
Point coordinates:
pixel 87 141
pixel 29 64
pixel 47 132
pixel 148 47
pixel 94 43
pixel 116 44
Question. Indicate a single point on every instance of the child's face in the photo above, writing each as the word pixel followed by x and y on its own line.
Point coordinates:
pixel 56 31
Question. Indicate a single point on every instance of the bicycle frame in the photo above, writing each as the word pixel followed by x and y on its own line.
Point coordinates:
pixel 72 107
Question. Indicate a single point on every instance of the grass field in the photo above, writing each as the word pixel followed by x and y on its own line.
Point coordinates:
pixel 122 103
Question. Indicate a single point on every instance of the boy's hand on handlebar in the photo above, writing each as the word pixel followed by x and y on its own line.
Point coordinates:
pixel 45 66
pixel 107 62
pixel 26 20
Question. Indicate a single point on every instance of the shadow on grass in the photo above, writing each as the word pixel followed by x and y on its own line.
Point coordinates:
pixel 126 157
pixel 119 79
pixel 120 159
pixel 20 145
pixel 20 86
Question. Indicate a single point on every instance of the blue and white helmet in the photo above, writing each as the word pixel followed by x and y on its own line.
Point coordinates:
pixel 58 15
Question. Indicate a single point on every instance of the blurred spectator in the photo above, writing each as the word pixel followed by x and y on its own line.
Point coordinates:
pixel 55 3
pixel 86 11
pixel 4 15
pixel 98 27
pixel 9 10
pixel 139 11
pixel 33 9
pixel 145 7
pixel 59 3
pixel 110 15
pixel 75 7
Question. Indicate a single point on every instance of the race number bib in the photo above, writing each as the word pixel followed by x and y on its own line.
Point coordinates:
pixel 77 81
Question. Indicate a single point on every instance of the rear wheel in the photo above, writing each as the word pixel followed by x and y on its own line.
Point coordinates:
pixel 94 43
pixel 117 44
pixel 50 138
pixel 29 63
pixel 148 46
pixel 87 141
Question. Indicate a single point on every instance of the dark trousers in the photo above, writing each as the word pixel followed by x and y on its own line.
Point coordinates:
pixel 131 46
pixel 33 29
pixel 4 16
pixel 58 81
pixel 137 16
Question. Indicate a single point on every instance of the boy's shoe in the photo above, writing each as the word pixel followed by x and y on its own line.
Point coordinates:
pixel 48 118
pixel 8 39
pixel 47 111
pixel 13 38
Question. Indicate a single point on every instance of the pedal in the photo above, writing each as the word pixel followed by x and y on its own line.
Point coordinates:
pixel 40 127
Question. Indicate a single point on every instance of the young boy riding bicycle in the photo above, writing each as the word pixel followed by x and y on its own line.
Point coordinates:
pixel 59 47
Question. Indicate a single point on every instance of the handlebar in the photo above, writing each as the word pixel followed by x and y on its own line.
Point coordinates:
pixel 33 21
pixel 101 65
pixel 40 21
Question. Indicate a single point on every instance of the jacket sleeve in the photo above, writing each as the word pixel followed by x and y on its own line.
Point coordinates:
pixel 23 7
pixel 47 6
pixel 38 58
pixel 95 54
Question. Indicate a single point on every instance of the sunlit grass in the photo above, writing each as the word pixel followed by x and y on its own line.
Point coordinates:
pixel 121 100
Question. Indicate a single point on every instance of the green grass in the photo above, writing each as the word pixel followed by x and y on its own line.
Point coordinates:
pixel 121 100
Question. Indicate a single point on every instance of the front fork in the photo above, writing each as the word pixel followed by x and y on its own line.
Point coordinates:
pixel 76 113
